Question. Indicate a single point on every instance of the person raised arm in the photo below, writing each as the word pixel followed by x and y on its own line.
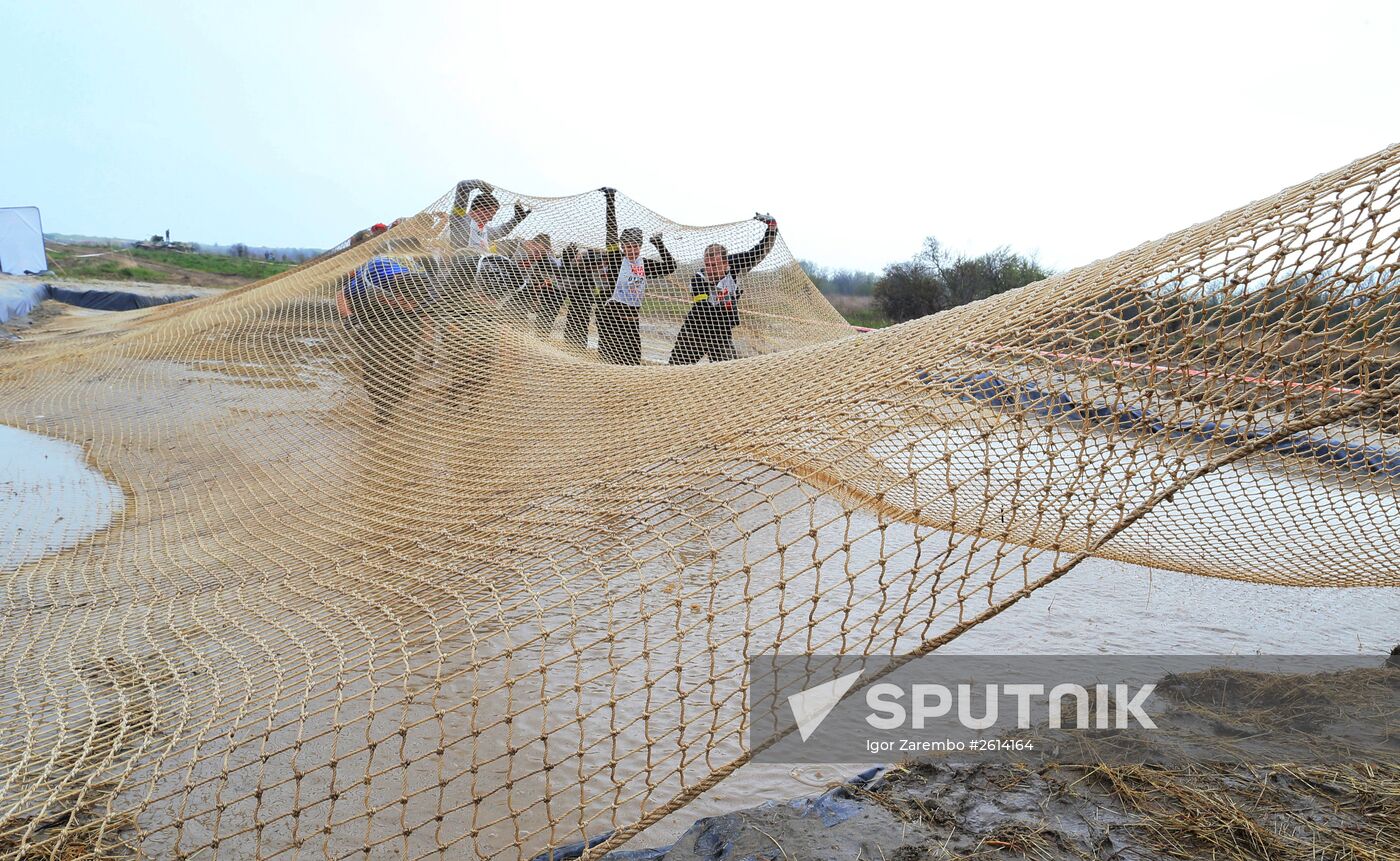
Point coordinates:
pixel 742 262
pixel 611 248
pixel 663 267
pixel 462 197
pixel 467 220
pixel 482 210
pixel 503 230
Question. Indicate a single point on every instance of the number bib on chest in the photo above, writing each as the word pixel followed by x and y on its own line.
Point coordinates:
pixel 631 283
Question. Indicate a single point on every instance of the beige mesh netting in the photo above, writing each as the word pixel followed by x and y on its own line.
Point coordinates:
pixel 396 566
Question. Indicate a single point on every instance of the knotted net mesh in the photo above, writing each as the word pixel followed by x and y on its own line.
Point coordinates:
pixel 398 566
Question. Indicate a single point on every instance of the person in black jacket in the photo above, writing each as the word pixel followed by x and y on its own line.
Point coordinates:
pixel 581 270
pixel 533 284
pixel 619 324
pixel 708 329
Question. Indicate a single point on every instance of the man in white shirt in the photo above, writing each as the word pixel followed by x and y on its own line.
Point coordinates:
pixel 469 225
pixel 619 318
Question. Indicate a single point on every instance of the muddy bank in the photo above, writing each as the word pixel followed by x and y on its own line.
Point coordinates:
pixel 1192 797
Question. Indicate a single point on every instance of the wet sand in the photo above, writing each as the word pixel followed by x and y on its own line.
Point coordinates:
pixel 50 498
pixel 641 635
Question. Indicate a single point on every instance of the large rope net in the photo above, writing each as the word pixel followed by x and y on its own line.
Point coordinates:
pixel 425 548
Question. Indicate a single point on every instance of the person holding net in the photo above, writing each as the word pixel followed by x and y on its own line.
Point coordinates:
pixel 540 286
pixel 619 319
pixel 583 273
pixel 469 225
pixel 565 290
pixel 708 330
pixel 382 304
pixel 472 281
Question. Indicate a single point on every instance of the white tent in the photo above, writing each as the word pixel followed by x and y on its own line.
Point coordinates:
pixel 21 240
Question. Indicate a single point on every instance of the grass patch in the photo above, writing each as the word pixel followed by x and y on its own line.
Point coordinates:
pixel 216 264
pixel 107 270
pixel 871 317
pixel 155 265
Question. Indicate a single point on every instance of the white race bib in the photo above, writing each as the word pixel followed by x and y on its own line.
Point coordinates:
pixel 467 235
pixel 724 291
pixel 479 237
pixel 631 282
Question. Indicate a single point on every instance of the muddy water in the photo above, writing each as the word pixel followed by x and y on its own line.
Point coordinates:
pixel 541 715
pixel 49 497
pixel 643 650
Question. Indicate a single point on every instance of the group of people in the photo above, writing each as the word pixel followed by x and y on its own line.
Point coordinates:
pixel 388 301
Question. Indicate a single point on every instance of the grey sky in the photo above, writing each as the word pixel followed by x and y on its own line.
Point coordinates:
pixel 1073 130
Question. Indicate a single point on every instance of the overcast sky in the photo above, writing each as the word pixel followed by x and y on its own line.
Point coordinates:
pixel 1071 130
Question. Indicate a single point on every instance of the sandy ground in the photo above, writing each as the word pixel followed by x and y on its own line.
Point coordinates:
pixel 304 747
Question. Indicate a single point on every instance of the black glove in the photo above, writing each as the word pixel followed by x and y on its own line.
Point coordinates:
pixel 610 192
pixel 766 219
pixel 656 239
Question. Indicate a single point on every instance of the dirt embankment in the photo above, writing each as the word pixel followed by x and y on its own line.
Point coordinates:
pixel 159 266
pixel 176 274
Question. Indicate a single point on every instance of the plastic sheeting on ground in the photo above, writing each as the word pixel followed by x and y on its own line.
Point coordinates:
pixel 112 300
pixel 989 388
pixel 20 298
